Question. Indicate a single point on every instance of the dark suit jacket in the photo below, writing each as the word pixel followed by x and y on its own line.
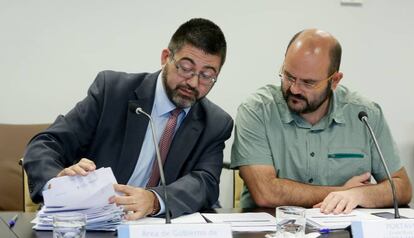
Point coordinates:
pixel 101 128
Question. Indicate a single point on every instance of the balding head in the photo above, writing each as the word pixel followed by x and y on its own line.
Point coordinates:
pixel 317 44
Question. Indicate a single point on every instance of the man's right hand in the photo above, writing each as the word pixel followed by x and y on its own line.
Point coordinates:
pixel 358 180
pixel 346 200
pixel 83 167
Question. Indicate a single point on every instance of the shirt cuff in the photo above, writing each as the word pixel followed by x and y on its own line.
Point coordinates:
pixel 162 205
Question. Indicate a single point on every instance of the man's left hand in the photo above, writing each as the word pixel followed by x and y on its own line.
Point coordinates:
pixel 136 200
pixel 340 202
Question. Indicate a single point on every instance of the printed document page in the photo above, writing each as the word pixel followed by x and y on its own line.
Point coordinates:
pixel 79 191
pixel 194 218
pixel 320 220
pixel 257 221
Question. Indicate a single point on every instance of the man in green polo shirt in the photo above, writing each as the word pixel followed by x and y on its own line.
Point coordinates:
pixel 302 143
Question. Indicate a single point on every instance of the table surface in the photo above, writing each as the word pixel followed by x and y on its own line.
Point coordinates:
pixel 23 227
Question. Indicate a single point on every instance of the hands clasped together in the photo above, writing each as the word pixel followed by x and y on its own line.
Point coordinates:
pixel 137 202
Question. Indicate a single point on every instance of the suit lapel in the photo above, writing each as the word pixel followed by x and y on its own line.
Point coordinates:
pixel 183 143
pixel 136 127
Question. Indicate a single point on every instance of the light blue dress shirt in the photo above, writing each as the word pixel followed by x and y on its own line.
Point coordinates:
pixel 160 113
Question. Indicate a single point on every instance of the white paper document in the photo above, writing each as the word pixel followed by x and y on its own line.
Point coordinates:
pixel 79 191
pixel 258 221
pixel 320 220
pixel 194 218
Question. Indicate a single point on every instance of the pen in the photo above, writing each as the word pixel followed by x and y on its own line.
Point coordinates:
pixel 12 221
pixel 327 230
pixel 324 230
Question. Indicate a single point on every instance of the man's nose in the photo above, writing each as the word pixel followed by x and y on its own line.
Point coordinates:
pixel 294 88
pixel 193 81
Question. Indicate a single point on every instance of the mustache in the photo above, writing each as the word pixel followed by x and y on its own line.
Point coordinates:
pixel 298 96
pixel 189 88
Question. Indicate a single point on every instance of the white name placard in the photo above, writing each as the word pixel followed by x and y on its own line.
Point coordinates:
pixel 395 228
pixel 208 230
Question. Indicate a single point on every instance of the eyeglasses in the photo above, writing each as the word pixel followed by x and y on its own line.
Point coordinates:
pixel 305 84
pixel 185 69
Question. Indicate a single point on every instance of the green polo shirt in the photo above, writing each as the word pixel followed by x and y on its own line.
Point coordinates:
pixel 330 152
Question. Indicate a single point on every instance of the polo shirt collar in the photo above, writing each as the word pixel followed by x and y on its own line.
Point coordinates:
pixel 285 114
pixel 335 113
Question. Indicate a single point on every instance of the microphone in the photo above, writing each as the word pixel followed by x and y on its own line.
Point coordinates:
pixel 135 108
pixel 363 116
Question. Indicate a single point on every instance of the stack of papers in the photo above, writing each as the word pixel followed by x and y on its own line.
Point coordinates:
pixel 83 194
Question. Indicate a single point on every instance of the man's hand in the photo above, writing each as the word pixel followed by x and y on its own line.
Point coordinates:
pixel 340 202
pixel 358 180
pixel 344 201
pixel 83 167
pixel 137 200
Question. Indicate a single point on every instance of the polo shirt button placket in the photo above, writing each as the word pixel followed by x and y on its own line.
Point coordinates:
pixel 312 154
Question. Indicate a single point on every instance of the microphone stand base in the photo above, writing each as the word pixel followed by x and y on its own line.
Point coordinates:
pixel 387 215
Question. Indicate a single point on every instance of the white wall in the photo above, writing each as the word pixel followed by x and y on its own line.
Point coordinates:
pixel 51 50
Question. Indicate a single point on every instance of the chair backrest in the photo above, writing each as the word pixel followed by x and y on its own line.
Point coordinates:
pixel 237 184
pixel 237 188
pixel 13 140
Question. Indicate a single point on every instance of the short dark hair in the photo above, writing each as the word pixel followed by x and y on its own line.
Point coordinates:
pixel 335 54
pixel 202 34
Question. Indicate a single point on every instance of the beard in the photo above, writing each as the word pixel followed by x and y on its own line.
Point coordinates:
pixel 309 106
pixel 179 99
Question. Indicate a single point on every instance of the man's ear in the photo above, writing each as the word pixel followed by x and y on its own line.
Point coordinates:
pixel 336 78
pixel 165 53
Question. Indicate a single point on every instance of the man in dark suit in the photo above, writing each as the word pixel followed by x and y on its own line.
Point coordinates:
pixel 100 131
